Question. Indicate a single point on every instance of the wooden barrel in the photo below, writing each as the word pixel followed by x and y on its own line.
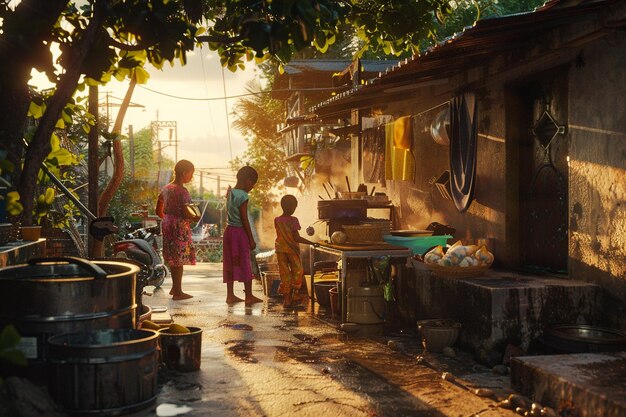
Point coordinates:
pixel 103 372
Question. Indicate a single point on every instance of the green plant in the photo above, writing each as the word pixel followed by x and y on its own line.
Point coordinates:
pixel 9 351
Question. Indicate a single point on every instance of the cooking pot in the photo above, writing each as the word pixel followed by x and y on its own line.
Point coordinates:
pixel 57 295
pixel 342 209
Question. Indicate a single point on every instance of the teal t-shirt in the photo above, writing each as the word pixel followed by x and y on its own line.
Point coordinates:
pixel 236 198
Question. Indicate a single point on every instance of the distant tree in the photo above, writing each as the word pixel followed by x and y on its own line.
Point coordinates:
pixel 100 39
pixel 256 117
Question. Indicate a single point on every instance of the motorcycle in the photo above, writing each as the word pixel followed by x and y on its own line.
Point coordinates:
pixel 139 246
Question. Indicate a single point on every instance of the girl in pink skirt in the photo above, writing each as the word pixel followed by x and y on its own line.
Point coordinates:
pixel 238 239
pixel 178 249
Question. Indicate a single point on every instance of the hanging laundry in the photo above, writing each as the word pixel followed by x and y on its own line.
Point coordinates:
pixel 373 151
pixel 399 160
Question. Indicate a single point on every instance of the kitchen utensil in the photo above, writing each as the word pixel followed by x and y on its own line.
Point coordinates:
pixel 348 183
pixel 327 192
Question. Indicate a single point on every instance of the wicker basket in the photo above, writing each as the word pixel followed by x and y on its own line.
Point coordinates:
pixel 457 271
pixel 364 233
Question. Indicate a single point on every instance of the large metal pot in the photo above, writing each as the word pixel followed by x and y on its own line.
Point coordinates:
pixel 50 296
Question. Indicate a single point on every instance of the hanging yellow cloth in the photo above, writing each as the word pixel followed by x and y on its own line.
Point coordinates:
pixel 399 161
pixel 402 133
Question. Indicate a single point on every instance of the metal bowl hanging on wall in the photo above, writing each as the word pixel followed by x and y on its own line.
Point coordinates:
pixel 440 127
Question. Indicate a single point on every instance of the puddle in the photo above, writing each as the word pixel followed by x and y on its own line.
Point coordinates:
pixel 297 353
pixel 169 410
pixel 237 326
pixel 242 350
pixel 311 340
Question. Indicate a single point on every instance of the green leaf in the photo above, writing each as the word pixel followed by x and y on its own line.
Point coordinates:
pixel 9 337
pixel 35 110
pixel 49 196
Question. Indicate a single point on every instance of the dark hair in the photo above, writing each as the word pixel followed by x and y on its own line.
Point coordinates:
pixel 247 173
pixel 181 167
pixel 288 204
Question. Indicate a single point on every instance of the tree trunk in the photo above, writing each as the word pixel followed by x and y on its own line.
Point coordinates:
pixel 20 51
pixel 40 144
pixel 118 155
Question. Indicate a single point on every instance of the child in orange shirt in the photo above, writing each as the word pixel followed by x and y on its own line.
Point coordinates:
pixel 288 251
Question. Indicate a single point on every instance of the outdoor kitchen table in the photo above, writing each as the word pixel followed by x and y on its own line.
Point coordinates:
pixel 347 251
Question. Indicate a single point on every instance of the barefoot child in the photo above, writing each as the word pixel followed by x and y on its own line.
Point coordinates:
pixel 238 239
pixel 178 249
pixel 288 251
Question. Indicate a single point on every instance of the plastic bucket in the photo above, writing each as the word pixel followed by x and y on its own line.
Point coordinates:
pixel 181 351
pixel 271 282
pixel 335 305
pixel 366 305
pixel 104 372
pixel 322 295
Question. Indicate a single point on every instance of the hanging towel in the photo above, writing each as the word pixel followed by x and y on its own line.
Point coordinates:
pixel 399 161
pixel 389 154
pixel 402 134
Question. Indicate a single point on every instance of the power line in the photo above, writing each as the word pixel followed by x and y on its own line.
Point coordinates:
pixel 254 93
pixel 230 145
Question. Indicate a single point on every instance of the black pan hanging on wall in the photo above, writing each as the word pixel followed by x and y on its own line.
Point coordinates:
pixel 463 145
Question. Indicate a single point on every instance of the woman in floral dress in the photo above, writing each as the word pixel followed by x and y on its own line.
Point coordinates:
pixel 178 249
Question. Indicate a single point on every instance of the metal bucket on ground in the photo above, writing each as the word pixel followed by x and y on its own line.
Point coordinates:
pixel 64 295
pixel 366 305
pixel 271 283
pixel 181 351
pixel 103 372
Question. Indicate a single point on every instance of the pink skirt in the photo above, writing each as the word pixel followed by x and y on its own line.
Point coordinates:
pixel 236 255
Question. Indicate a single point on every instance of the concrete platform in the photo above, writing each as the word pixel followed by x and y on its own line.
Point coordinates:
pixel 584 384
pixel 503 307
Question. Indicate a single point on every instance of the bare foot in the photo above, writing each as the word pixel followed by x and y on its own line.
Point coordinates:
pixel 251 299
pixel 233 299
pixel 301 299
pixel 181 296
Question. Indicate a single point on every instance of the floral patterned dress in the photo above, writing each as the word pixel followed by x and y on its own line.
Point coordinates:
pixel 178 249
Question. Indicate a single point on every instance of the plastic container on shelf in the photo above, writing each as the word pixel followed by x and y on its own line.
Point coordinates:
pixel 418 244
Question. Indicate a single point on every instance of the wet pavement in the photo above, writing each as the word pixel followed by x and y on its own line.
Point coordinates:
pixel 264 360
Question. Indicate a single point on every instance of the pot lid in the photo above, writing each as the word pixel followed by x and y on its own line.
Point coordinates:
pixel 66 268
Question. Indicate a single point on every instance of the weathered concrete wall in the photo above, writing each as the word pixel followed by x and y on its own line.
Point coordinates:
pixel 597 188
pixel 419 203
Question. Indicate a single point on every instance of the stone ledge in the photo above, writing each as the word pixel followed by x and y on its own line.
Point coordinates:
pixel 504 307
pixel 585 384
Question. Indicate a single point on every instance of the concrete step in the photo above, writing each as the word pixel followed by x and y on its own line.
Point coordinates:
pixel 502 307
pixel 582 384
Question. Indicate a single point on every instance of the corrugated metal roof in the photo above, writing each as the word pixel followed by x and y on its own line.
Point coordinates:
pixel 307 66
pixel 485 39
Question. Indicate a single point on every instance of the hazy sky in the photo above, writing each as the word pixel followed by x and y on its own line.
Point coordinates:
pixel 199 111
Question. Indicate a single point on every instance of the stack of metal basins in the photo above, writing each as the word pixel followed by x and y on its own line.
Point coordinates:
pixel 76 319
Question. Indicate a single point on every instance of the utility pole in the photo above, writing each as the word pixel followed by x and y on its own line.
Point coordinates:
pixel 131 150
pixel 172 140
